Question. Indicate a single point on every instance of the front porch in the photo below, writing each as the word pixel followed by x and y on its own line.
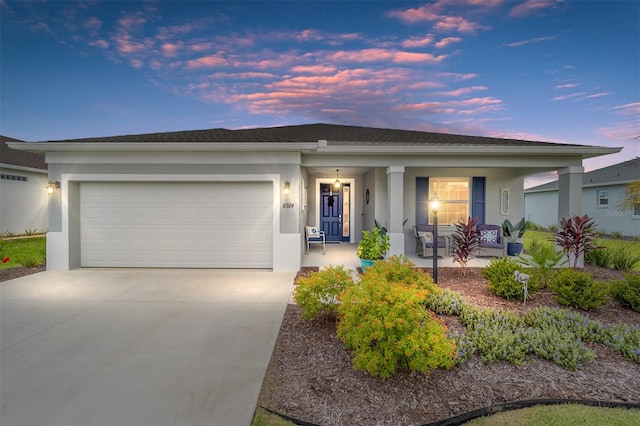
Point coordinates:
pixel 345 254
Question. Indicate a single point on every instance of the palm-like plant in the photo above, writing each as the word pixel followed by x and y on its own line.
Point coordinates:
pixel 466 239
pixel 576 236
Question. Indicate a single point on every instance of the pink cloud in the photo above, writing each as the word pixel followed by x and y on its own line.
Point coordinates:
pixel 457 23
pixel 92 23
pixel 378 55
pixel 132 21
pixel 243 75
pixel 570 96
pixel 525 42
pixel 632 108
pixel 207 62
pixel 200 47
pixel 428 12
pixel 530 6
pixel 313 69
pixel 418 41
pixel 597 95
pixel 464 107
pixel 447 41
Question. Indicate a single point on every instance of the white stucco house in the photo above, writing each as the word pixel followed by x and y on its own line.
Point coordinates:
pixel 241 198
pixel 602 190
pixel 23 199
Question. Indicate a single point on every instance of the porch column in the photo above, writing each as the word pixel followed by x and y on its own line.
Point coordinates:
pixel 395 190
pixel 570 195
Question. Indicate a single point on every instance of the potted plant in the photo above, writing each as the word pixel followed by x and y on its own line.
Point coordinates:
pixel 373 246
pixel 513 234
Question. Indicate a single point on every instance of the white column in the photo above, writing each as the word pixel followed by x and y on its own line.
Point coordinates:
pixel 395 190
pixel 570 196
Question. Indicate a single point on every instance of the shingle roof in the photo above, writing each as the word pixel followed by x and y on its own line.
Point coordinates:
pixel 336 135
pixel 19 158
pixel 627 171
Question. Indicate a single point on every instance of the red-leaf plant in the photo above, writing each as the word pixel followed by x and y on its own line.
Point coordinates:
pixel 466 239
pixel 576 236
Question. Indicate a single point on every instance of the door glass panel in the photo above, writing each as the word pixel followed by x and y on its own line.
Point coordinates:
pixel 345 210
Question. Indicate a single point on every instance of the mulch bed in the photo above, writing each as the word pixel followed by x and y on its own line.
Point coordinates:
pixel 9 274
pixel 310 376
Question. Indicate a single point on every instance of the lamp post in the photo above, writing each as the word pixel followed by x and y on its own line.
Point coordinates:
pixel 435 205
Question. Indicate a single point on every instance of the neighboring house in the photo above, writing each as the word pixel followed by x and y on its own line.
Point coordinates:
pixel 23 196
pixel 241 198
pixel 602 190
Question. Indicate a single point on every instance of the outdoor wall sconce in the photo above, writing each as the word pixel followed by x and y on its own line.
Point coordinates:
pixel 337 183
pixel 52 186
pixel 287 188
pixel 435 206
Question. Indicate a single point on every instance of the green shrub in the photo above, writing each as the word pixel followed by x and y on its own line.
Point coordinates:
pixel 500 275
pixel 400 270
pixel 317 294
pixel 496 334
pixel 627 291
pixel 599 257
pixel 623 259
pixel 578 289
pixel 623 339
pixel 387 328
pixel 447 302
pixel 542 258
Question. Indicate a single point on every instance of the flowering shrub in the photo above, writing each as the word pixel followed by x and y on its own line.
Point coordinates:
pixel 317 294
pixel 627 291
pixel 578 289
pixel 446 302
pixel 387 328
pixel 502 283
pixel 400 270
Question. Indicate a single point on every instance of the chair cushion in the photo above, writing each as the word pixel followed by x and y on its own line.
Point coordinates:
pixel 428 236
pixel 313 232
pixel 489 236
pixel 441 244
pixel 491 245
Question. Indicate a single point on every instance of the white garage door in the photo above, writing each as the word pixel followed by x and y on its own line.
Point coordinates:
pixel 176 224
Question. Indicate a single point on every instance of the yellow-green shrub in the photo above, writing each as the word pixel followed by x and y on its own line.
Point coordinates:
pixel 387 328
pixel 400 270
pixel 317 294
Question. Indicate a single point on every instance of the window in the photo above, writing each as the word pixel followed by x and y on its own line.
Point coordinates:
pixel 14 177
pixel 454 199
pixel 603 198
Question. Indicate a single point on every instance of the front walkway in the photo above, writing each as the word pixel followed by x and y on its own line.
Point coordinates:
pixel 345 254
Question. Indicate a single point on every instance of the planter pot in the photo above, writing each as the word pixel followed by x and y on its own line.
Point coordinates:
pixel 514 249
pixel 364 263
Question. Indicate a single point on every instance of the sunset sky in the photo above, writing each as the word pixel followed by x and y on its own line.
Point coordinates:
pixel 558 71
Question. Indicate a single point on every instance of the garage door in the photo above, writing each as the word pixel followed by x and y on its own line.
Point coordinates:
pixel 171 224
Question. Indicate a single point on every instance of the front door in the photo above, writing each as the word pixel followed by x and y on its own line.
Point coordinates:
pixel 332 212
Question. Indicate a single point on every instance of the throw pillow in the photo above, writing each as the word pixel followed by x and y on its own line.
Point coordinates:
pixel 489 235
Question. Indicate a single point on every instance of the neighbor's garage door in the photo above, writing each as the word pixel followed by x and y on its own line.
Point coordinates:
pixel 170 224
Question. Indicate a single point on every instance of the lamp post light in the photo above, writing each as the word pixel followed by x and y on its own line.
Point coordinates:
pixel 435 205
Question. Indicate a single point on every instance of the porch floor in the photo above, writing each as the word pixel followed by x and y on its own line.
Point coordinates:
pixel 345 254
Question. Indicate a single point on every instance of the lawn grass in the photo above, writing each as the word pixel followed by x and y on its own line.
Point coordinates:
pixel 21 249
pixel 566 415
pixel 612 243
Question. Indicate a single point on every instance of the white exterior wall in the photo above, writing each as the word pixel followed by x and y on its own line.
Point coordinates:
pixel 23 205
pixel 63 240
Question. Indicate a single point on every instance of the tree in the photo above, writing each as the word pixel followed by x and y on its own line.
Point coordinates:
pixel 631 198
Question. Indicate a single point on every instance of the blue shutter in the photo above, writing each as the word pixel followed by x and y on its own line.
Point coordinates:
pixel 422 200
pixel 478 190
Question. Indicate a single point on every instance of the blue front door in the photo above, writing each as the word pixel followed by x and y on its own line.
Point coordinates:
pixel 331 212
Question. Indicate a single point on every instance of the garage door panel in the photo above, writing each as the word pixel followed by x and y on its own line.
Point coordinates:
pixel 208 225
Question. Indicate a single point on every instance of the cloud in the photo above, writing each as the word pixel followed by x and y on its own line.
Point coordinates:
pixel 458 76
pixel 597 95
pixel 210 61
pixel 461 92
pixel 386 55
pixel 570 96
pixel 465 107
pixel 532 40
pixel 567 85
pixel 103 44
pixel 418 41
pixel 447 41
pixel 313 69
pixel 632 108
pixel 531 6
pixel 436 12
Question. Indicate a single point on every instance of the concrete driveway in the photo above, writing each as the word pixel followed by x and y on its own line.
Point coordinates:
pixel 137 347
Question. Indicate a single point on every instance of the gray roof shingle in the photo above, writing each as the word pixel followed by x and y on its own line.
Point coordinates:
pixel 336 135
pixel 627 171
pixel 20 158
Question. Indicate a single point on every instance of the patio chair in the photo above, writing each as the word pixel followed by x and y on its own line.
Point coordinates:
pixel 424 241
pixel 314 236
pixel 492 241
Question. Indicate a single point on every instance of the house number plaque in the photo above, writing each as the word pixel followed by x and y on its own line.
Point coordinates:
pixel 287 205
